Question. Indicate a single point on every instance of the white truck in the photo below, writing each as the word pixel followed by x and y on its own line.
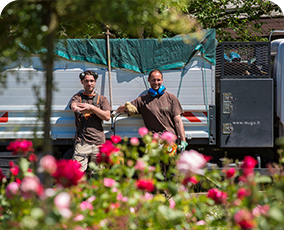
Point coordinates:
pixel 231 94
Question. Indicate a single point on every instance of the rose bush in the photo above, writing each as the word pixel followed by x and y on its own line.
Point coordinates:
pixel 148 189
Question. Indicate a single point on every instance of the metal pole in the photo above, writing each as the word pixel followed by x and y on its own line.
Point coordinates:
pixel 109 67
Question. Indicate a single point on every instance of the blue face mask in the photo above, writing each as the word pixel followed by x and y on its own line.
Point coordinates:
pixel 160 91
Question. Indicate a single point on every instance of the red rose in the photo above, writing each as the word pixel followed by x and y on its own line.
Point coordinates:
pixel 115 139
pixel 33 157
pixel 145 184
pixel 106 150
pixel 21 146
pixel 242 193
pixel 68 172
pixel 244 219
pixel 218 196
pixel 192 180
pixel 248 165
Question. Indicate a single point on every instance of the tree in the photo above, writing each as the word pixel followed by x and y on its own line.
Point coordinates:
pixel 35 23
pixel 239 18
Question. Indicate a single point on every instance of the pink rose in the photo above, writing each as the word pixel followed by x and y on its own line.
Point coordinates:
pixel 48 164
pixel 191 162
pixel 140 165
pixel 172 203
pixel 134 141
pixel 62 200
pixel 244 219
pixel 12 189
pixel 143 131
pixel 218 196
pixel 242 193
pixel 156 136
pixel 86 205
pixel 168 137
pixel 108 182
pixel 79 218
pixel 261 210
pixel 31 186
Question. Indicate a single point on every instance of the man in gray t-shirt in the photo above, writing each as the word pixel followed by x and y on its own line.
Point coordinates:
pixel 160 110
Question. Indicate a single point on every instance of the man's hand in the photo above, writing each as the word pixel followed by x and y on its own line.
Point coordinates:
pixel 182 146
pixel 130 109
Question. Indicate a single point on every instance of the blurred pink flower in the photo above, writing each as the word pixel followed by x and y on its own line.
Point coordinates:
pixel 62 200
pixel 172 203
pixel 242 193
pixel 151 168
pixel 229 172
pixel 143 131
pixel 190 180
pixel 200 222
pixel 14 169
pixel 261 210
pixel 114 205
pixel 244 219
pixel 115 139
pixel 168 137
pixel 218 196
pixel 145 184
pixel 91 199
pixel 134 141
pixel 140 165
pixel 2 176
pixel 191 162
pixel 12 189
pixel 106 150
pixel 33 158
pixel 20 146
pixel 79 218
pixel 147 196
pixel 248 165
pixel 108 182
pixel 68 172
pixel 86 205
pixel 48 164
pixel 31 186
pixel 122 198
pixel 156 136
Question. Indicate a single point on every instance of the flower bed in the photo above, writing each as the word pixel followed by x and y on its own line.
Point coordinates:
pixel 130 190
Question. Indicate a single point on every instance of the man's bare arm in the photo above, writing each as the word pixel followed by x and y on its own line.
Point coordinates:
pixel 179 127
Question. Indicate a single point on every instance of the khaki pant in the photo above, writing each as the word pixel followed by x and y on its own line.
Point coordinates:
pixel 83 152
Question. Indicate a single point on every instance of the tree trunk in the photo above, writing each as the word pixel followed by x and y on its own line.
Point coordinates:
pixel 52 25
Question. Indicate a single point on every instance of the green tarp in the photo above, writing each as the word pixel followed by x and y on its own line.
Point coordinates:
pixel 140 55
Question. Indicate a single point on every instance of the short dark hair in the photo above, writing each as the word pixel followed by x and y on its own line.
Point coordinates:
pixel 155 70
pixel 88 72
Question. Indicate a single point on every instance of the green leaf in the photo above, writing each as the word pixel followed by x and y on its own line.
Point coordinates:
pixel 159 176
pixel 173 188
pixel 263 179
pixel 24 165
pixel 276 214
pixel 168 217
pixel 130 172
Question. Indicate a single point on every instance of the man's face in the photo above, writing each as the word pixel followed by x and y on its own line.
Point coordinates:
pixel 155 80
pixel 89 83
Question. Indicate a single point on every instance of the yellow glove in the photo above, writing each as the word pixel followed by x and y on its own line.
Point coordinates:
pixel 130 109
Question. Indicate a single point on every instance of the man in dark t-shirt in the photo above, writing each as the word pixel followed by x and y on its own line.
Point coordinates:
pixel 161 111
pixel 90 110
